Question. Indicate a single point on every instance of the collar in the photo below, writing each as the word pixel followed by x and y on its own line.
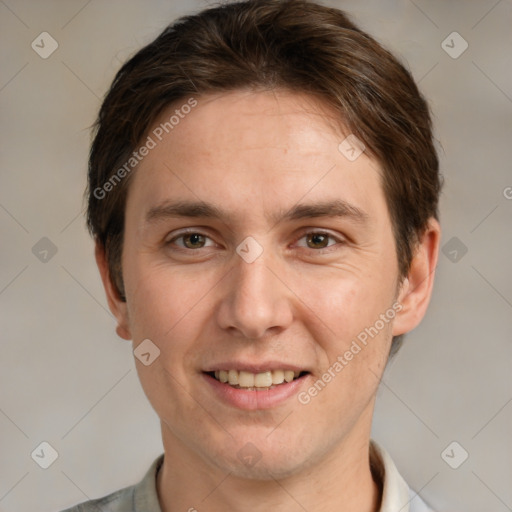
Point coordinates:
pixel 395 492
pixel 396 496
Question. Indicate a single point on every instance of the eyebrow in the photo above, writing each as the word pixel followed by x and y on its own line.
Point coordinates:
pixel 201 209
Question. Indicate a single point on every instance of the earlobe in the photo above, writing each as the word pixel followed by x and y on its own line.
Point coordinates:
pixel 116 305
pixel 416 288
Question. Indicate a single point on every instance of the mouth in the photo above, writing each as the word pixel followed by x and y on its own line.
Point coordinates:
pixel 261 381
pixel 252 386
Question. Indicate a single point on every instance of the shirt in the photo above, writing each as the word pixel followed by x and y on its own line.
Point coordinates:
pixel 143 497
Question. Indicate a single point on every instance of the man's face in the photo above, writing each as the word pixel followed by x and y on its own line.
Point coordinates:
pixel 318 269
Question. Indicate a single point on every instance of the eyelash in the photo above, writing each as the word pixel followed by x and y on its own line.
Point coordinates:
pixel 322 250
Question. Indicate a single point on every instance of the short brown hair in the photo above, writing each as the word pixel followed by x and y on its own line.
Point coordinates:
pixel 295 45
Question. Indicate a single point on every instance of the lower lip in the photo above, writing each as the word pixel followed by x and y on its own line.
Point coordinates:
pixel 254 400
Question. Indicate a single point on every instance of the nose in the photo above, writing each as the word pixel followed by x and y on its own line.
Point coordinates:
pixel 256 301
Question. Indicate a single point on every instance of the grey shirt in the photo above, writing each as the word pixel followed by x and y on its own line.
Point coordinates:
pixel 142 497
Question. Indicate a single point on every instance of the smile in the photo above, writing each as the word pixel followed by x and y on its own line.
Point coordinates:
pixel 255 381
pixel 257 389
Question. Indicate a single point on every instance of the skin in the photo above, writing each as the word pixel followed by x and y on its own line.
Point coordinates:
pixel 256 155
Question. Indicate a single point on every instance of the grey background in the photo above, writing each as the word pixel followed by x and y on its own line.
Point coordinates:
pixel 65 377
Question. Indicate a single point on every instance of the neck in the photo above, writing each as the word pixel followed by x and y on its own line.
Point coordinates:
pixel 341 481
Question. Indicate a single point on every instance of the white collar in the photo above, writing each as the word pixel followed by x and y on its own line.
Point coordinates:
pixel 396 495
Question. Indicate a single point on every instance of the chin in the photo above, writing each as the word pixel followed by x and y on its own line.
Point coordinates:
pixel 256 458
pixel 269 467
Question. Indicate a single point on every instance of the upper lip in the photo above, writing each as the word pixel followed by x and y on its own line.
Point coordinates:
pixel 254 367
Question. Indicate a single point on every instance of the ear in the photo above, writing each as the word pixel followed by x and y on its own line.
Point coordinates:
pixel 416 289
pixel 115 303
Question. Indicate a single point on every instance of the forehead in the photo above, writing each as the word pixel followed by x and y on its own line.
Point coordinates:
pixel 261 149
pixel 276 121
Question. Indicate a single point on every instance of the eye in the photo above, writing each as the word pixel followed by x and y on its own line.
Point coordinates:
pixel 317 240
pixel 191 240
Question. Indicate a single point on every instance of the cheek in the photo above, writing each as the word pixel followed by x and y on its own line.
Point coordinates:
pixel 164 301
pixel 342 304
pixel 351 342
pixel 169 307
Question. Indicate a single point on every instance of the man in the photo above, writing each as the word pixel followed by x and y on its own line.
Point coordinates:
pixel 263 194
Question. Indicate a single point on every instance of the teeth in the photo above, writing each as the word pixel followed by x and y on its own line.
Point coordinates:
pixel 233 377
pixel 263 380
pixel 277 376
pixel 245 379
pixel 288 375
